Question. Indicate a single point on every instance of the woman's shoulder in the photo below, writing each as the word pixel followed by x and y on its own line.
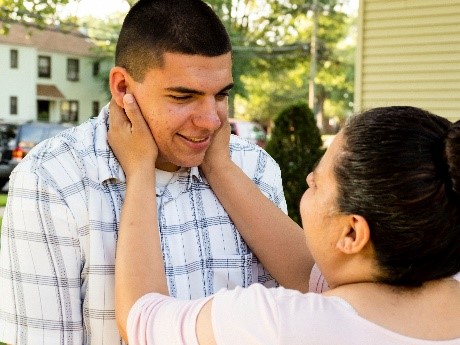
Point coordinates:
pixel 319 318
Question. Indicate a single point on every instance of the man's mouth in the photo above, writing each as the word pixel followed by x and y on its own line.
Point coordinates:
pixel 194 139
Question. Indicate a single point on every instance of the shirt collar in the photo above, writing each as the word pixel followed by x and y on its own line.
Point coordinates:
pixel 108 166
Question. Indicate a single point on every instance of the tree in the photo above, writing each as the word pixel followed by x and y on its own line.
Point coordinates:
pixel 280 74
pixel 295 144
pixel 37 13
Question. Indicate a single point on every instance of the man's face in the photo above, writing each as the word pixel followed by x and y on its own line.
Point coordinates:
pixel 184 103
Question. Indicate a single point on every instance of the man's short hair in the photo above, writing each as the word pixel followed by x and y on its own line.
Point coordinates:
pixel 154 27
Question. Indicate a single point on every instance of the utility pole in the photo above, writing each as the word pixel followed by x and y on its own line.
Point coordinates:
pixel 313 60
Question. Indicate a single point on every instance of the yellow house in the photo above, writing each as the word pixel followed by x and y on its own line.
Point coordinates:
pixel 408 53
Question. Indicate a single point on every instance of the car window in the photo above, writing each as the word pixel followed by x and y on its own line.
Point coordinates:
pixel 32 134
pixel 251 130
pixel 54 130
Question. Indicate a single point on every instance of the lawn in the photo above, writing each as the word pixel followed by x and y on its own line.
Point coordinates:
pixel 3 197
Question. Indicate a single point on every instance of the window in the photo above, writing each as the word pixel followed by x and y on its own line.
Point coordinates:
pixel 69 111
pixel 44 66
pixel 73 66
pixel 96 67
pixel 14 58
pixel 13 105
pixel 95 108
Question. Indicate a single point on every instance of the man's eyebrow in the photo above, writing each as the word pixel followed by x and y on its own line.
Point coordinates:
pixel 227 88
pixel 182 89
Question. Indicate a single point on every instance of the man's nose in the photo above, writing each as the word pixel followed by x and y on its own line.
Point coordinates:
pixel 206 114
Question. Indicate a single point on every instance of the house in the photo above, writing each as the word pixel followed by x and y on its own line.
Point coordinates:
pixel 408 53
pixel 49 75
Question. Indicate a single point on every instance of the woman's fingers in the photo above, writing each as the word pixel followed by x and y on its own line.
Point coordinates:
pixel 134 113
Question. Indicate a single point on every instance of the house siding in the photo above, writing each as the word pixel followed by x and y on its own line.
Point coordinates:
pixel 14 82
pixel 409 54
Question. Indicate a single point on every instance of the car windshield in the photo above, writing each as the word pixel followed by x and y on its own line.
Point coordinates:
pixel 32 135
pixel 251 130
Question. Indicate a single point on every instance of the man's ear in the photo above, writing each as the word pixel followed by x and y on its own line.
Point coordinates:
pixel 355 235
pixel 119 81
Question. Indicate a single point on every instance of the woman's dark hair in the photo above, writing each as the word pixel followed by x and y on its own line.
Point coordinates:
pixel 154 27
pixel 400 170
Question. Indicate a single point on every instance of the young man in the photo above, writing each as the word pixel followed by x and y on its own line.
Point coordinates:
pixel 60 227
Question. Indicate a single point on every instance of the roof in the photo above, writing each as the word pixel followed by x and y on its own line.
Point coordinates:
pixel 49 91
pixel 48 40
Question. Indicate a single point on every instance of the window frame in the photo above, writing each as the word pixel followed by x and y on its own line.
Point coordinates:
pixel 67 115
pixel 95 108
pixel 73 69
pixel 14 58
pixel 42 73
pixel 96 68
pixel 13 105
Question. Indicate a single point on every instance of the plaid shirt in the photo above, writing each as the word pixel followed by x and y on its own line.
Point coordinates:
pixel 60 230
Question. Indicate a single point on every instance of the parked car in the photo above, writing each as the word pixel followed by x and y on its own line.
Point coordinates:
pixel 17 140
pixel 249 130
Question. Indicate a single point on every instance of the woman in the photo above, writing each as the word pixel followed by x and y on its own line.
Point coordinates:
pixel 381 218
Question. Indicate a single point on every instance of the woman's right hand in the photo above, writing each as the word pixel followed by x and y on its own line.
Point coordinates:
pixel 218 154
pixel 130 138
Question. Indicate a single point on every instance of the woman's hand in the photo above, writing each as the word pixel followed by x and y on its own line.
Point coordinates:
pixel 130 137
pixel 218 154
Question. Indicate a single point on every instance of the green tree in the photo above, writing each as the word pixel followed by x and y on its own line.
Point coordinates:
pixel 38 13
pixel 295 144
pixel 281 76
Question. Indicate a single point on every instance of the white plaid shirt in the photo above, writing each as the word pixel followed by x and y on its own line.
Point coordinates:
pixel 59 237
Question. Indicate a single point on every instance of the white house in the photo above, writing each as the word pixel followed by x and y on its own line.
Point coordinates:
pixel 48 75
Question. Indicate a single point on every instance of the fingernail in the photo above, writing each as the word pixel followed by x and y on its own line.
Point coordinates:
pixel 129 98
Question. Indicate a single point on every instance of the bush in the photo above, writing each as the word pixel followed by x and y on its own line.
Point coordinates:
pixel 295 143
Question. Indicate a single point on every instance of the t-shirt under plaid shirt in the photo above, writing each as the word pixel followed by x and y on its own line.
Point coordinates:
pixel 59 235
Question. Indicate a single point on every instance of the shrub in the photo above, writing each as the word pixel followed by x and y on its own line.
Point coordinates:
pixel 295 143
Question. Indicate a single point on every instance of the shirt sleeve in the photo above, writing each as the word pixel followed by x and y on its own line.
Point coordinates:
pixel 40 266
pixel 163 320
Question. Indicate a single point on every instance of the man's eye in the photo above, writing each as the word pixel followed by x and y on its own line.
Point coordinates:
pixel 180 98
pixel 223 95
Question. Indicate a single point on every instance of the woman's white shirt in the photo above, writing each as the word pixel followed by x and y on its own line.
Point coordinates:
pixel 257 315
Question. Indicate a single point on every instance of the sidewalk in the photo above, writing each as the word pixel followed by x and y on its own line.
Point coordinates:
pixel 2 210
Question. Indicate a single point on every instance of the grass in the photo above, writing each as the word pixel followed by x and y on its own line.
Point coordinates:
pixel 3 197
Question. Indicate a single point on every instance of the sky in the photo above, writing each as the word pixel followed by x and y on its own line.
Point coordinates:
pixel 102 8
pixel 95 8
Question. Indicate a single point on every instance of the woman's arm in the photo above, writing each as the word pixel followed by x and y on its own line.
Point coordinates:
pixel 277 241
pixel 139 267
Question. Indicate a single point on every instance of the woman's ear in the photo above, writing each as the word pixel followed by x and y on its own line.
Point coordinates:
pixel 354 236
pixel 119 81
